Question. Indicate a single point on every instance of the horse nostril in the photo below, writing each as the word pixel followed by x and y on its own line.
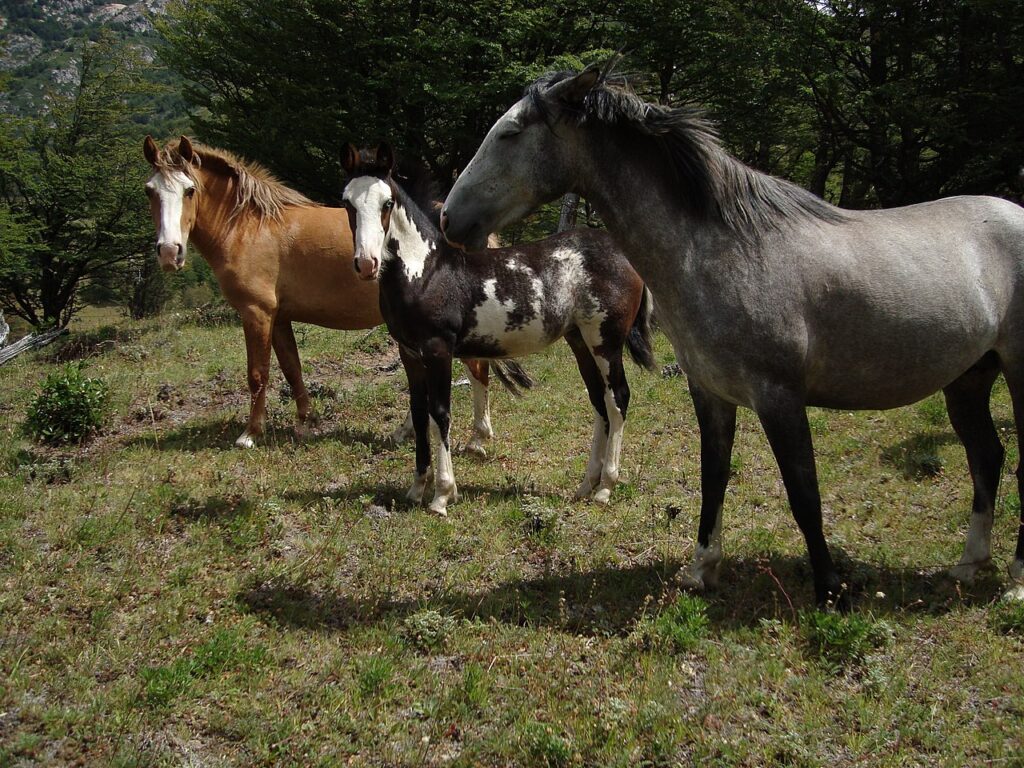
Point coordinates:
pixel 444 220
pixel 181 249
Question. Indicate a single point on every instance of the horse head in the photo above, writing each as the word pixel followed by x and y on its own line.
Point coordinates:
pixel 172 198
pixel 525 160
pixel 369 198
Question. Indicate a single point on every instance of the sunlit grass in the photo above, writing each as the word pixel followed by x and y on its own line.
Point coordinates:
pixel 170 600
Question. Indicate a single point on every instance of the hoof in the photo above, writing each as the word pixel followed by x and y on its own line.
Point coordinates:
pixel 691 581
pixel 245 441
pixel 475 448
pixel 439 508
pixel 1014 594
pixel 403 434
pixel 415 494
pixel 585 489
pixel 301 433
pixel 603 495
pixel 966 573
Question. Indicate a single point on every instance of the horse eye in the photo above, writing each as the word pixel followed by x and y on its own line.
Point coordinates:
pixel 509 133
pixel 190 192
pixel 389 205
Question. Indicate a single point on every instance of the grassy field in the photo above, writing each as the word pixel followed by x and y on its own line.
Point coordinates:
pixel 169 600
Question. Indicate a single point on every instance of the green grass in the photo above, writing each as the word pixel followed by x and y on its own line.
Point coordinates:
pixel 168 600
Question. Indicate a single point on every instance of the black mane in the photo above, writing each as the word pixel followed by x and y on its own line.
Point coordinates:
pixel 710 180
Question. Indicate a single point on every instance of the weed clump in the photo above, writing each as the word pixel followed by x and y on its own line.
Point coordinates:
pixel 679 627
pixel 1007 617
pixel 840 641
pixel 69 408
pixel 426 630
pixel 545 747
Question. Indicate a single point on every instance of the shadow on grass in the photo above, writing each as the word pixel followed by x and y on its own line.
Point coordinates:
pixel 916 456
pixel 609 601
pixel 205 433
pixel 392 494
pixel 192 436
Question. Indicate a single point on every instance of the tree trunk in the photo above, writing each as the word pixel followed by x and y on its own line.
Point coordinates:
pixel 570 206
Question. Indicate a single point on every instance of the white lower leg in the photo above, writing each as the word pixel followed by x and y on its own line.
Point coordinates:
pixel 703 572
pixel 444 473
pixel 612 451
pixel 1016 590
pixel 596 461
pixel 419 486
pixel 481 418
pixel 977 549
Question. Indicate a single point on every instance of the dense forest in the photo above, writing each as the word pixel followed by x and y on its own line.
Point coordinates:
pixel 867 103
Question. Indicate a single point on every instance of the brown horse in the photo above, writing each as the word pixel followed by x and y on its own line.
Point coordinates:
pixel 278 257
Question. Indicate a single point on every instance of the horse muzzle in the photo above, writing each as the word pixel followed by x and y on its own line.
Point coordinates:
pixel 367 267
pixel 457 233
pixel 171 256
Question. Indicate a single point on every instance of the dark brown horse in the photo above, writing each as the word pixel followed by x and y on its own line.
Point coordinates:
pixel 441 303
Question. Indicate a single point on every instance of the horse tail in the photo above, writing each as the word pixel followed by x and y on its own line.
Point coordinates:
pixel 512 376
pixel 638 342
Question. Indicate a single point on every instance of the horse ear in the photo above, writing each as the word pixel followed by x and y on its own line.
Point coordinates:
pixel 187 152
pixel 574 89
pixel 150 150
pixel 350 159
pixel 385 156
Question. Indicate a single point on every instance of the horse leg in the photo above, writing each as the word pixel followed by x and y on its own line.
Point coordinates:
pixel 783 416
pixel 479 374
pixel 256 325
pixel 439 394
pixel 594 382
pixel 716 420
pixel 287 352
pixel 615 392
pixel 1015 383
pixel 967 401
pixel 416 373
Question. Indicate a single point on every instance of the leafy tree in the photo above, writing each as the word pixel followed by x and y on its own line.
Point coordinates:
pixel 923 99
pixel 312 74
pixel 70 182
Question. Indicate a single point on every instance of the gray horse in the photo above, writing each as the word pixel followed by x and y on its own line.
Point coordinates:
pixel 773 299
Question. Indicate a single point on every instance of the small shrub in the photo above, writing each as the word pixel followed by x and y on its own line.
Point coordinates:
pixel 69 408
pixel 839 640
pixel 214 314
pixel 426 630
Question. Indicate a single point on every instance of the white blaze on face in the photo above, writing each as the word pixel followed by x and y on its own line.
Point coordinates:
pixel 170 189
pixel 367 196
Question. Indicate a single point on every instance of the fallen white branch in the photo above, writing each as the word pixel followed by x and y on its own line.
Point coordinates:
pixel 31 341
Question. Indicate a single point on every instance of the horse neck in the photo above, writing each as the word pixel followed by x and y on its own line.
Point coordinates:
pixel 639 208
pixel 216 217
pixel 418 241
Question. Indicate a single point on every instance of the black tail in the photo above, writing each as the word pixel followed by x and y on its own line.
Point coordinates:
pixel 512 376
pixel 639 340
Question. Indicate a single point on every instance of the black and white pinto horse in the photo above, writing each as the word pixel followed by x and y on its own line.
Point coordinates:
pixel 439 303
pixel 773 299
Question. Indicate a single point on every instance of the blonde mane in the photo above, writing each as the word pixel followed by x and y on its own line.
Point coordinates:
pixel 256 188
